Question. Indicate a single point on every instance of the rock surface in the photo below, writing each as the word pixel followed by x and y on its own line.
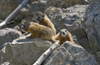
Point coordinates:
pixel 70 54
pixel 8 35
pixel 24 51
pixel 65 3
pixel 92 25
pixel 7 6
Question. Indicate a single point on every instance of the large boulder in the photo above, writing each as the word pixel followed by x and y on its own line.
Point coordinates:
pixel 92 25
pixel 8 35
pixel 23 51
pixel 65 3
pixel 7 6
pixel 70 18
pixel 70 54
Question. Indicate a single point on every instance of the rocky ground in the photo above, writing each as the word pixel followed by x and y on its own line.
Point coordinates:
pixel 80 17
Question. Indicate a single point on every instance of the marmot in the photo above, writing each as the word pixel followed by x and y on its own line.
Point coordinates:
pixel 38 30
pixel 44 20
pixel 64 35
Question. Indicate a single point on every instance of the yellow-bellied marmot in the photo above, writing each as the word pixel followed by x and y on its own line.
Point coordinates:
pixel 44 20
pixel 63 36
pixel 38 30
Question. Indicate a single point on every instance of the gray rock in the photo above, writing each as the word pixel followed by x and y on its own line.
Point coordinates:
pixel 92 25
pixel 80 55
pixel 8 35
pixel 70 18
pixel 7 6
pixel 24 51
pixel 2 55
pixel 60 56
pixel 36 6
pixel 71 54
pixel 65 3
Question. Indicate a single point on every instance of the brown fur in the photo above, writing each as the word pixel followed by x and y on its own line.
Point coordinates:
pixel 38 30
pixel 64 39
pixel 44 20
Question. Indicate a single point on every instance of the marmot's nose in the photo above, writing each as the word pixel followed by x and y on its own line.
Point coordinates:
pixel 35 20
pixel 63 33
pixel 22 26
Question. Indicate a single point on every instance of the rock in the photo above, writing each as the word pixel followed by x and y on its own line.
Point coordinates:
pixel 2 55
pixel 65 3
pixel 6 7
pixel 70 54
pixel 24 51
pixel 92 25
pixel 81 56
pixel 61 56
pixel 70 18
pixel 8 35
pixel 36 6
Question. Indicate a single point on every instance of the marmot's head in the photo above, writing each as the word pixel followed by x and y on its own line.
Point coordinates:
pixel 63 32
pixel 25 26
pixel 39 16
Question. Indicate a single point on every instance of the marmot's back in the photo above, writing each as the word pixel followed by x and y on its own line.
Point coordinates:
pixel 38 30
